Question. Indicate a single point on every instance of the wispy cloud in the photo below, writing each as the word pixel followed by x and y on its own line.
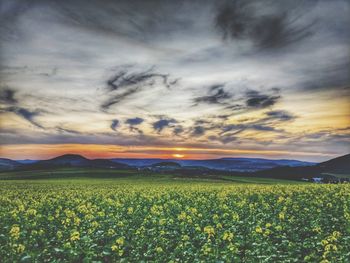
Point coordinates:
pixel 217 95
pixel 134 121
pixel 25 114
pixel 114 125
pixel 7 96
pixel 163 123
pixel 264 26
pixel 257 100
pixel 127 82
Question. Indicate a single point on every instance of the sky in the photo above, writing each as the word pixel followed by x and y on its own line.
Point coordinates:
pixel 175 79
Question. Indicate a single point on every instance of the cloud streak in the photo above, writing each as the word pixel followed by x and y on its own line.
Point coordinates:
pixel 24 114
pixel 275 28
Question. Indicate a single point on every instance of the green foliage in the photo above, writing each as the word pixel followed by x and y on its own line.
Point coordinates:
pixel 134 221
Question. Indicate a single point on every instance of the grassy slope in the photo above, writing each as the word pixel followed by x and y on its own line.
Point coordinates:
pixel 121 176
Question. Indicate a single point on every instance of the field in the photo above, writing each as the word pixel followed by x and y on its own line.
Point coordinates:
pixel 165 219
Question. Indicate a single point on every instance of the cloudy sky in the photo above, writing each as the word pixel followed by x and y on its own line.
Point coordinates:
pixel 161 78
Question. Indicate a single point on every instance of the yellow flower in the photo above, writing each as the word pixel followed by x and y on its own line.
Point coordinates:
pixel 15 231
pixel 59 234
pixel 31 212
pixel 120 241
pixel 77 221
pixel 67 245
pixel 336 235
pixel 278 228
pixel 209 230
pixel 317 230
pixel 330 247
pixel 206 249
pixel 281 216
pixel 110 232
pixel 21 208
pixel 280 199
pixel 114 248
pixel 185 238
pixel 75 236
pixel 194 210
pixel 235 216
pixel 227 236
pixel 182 216
pixel 258 229
pixel 20 248
pixel 267 232
pixel 130 210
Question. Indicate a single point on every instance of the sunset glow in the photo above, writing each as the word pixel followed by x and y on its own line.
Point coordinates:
pixel 181 83
pixel 177 155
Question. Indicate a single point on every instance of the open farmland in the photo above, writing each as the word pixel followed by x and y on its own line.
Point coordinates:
pixel 186 220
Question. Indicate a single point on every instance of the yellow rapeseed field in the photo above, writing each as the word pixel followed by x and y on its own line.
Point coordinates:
pixel 171 222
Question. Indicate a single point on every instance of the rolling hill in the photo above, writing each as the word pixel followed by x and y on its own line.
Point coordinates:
pixel 8 164
pixel 330 170
pixel 225 164
pixel 74 160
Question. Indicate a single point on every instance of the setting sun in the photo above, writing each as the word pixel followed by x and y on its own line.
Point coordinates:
pixel 177 155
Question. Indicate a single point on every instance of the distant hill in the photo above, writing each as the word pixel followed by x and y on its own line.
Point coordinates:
pixel 332 170
pixel 166 164
pixel 328 169
pixel 67 159
pixel 105 163
pixel 337 165
pixel 225 164
pixel 74 160
pixel 26 161
pixel 8 164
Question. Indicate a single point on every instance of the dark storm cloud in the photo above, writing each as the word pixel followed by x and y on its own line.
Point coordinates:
pixel 7 96
pixel 217 95
pixel 24 113
pixel 257 100
pixel 114 125
pixel 248 20
pixel 163 123
pixel 134 121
